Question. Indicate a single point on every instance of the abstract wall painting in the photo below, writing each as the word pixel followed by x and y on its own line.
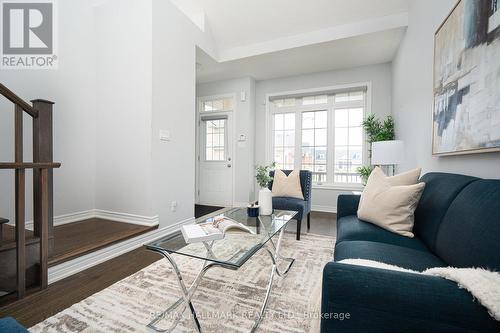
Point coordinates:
pixel 466 116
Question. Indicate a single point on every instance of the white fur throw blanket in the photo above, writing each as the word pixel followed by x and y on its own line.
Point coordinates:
pixel 484 285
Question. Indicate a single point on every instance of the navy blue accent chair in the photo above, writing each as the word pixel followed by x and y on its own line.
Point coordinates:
pixel 303 207
pixel 457 223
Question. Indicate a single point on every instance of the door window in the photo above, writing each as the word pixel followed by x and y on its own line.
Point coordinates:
pixel 215 140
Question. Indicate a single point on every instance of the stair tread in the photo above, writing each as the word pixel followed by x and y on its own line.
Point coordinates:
pixel 9 245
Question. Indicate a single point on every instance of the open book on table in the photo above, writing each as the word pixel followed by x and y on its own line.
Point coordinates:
pixel 214 229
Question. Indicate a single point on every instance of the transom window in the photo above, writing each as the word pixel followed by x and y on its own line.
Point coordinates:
pixel 349 97
pixel 310 100
pixel 320 133
pixel 284 102
pixel 217 105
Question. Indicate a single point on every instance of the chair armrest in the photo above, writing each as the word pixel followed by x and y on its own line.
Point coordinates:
pixel 347 204
pixel 391 301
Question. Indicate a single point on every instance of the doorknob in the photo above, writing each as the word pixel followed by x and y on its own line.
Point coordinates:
pixel 229 165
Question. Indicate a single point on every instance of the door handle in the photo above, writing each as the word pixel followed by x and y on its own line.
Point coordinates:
pixel 229 165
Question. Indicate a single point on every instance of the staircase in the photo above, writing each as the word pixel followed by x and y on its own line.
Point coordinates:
pixel 24 255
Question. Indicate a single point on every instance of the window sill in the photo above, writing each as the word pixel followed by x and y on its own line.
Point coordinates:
pixel 338 187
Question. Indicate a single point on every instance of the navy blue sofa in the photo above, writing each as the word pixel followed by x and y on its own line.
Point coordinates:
pixel 10 325
pixel 457 223
pixel 303 207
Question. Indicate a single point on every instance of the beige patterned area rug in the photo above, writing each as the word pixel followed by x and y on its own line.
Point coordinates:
pixel 226 301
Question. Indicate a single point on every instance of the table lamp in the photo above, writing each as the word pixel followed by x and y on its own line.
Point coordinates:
pixel 387 153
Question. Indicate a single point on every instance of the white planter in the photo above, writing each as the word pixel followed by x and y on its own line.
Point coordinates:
pixel 265 201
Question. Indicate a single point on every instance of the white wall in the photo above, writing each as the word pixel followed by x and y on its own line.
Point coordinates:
pixel 110 107
pixel 123 106
pixel 412 96
pixel 244 112
pixel 378 75
pixel 72 88
pixel 175 39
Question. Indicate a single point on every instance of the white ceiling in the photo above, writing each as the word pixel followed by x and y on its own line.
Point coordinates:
pixel 375 48
pixel 275 38
pixel 235 23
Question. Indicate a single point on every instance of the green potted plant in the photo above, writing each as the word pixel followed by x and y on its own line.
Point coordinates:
pixel 265 195
pixel 376 130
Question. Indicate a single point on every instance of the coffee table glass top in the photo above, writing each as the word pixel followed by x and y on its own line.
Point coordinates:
pixel 237 246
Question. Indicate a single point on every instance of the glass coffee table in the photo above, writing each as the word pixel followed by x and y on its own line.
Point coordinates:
pixel 232 252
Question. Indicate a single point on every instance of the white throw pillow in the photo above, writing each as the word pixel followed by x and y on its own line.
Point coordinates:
pixel 287 186
pixel 390 202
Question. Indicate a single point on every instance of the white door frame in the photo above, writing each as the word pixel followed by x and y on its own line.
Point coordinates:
pixel 231 145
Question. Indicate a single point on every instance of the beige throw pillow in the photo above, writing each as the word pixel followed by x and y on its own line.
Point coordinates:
pixel 390 202
pixel 406 178
pixel 287 186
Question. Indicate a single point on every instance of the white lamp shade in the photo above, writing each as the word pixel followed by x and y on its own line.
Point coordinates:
pixel 387 152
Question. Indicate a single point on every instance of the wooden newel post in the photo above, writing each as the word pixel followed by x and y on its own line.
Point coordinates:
pixel 20 206
pixel 43 152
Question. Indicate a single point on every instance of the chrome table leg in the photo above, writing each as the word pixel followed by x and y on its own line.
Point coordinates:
pixel 187 295
pixel 274 270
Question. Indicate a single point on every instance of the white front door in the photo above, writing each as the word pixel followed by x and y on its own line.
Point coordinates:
pixel 215 182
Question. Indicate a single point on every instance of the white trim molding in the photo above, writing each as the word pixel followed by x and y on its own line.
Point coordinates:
pixel 127 218
pixel 324 209
pixel 240 204
pixel 101 214
pixel 79 264
pixel 72 217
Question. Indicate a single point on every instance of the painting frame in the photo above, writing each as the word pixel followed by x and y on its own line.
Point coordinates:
pixel 435 153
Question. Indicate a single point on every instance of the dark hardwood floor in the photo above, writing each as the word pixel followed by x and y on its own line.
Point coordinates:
pixel 321 224
pixel 9 234
pixel 62 294
pixel 73 240
pixel 76 239
pixel 202 210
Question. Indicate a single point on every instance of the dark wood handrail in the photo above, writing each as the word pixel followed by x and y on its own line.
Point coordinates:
pixel 18 101
pixel 40 165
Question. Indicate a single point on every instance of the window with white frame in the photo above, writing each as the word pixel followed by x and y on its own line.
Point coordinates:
pixel 348 144
pixel 315 144
pixel 321 133
pixel 284 140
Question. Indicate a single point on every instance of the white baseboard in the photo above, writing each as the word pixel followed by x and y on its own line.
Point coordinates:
pixel 240 204
pixel 74 266
pixel 72 217
pixel 324 209
pixel 127 218
pixel 102 214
